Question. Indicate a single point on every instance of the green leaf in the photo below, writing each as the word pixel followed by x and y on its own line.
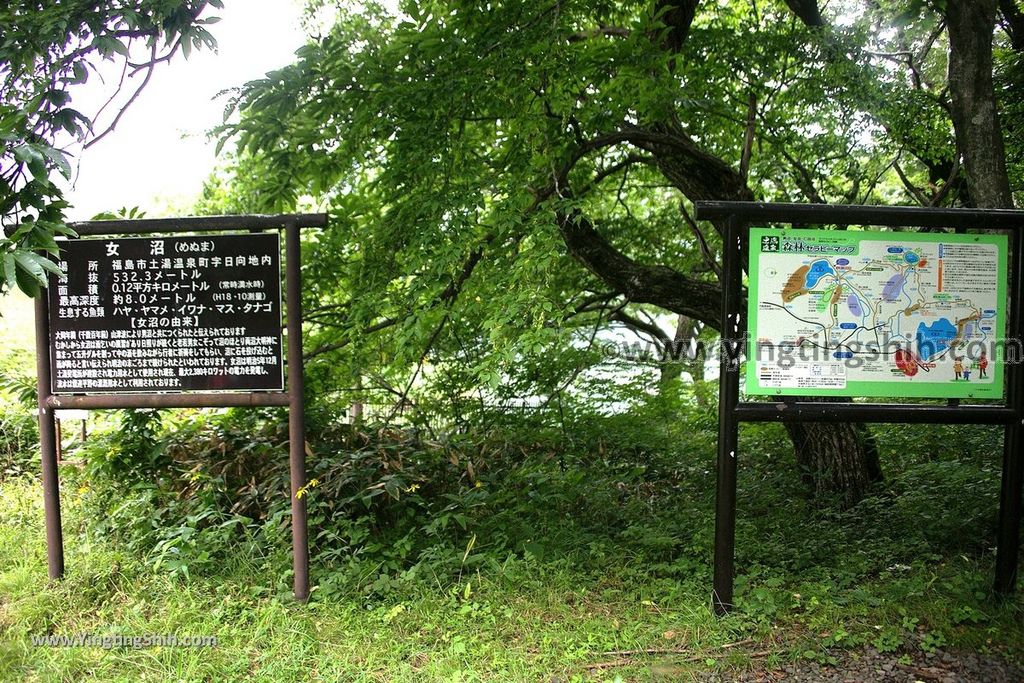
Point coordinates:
pixel 58 158
pixel 51 267
pixel 27 282
pixel 32 156
pixel 62 229
pixel 26 154
pixel 10 270
pixel 30 263
pixel 81 73
pixel 119 47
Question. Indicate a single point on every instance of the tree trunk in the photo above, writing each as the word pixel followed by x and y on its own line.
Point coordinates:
pixel 975 119
pixel 838 462
pixel 677 357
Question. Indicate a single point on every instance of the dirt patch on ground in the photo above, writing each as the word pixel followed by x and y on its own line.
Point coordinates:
pixel 869 665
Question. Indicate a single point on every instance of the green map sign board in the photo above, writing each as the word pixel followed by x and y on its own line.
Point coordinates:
pixel 869 313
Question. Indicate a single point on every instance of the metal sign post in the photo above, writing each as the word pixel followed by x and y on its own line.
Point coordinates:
pixel 155 381
pixel 736 219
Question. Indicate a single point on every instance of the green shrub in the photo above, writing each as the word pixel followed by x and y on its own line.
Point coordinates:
pixel 623 494
pixel 19 440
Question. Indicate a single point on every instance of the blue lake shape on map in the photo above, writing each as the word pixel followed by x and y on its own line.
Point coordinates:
pixel 934 339
pixel 853 303
pixel 893 286
pixel 818 270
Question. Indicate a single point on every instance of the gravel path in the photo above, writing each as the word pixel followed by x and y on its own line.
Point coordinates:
pixel 870 666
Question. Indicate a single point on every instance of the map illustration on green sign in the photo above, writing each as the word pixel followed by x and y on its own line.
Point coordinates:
pixel 871 313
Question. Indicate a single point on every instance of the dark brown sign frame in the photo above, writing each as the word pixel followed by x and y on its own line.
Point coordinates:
pixel 734 220
pixel 291 397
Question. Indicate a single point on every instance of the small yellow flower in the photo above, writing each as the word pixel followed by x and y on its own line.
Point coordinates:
pixel 312 483
pixel 412 488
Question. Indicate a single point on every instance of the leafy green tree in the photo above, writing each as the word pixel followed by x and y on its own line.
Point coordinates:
pixel 512 182
pixel 47 49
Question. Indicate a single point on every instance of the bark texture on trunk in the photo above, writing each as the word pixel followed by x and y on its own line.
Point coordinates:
pixel 838 462
pixel 975 118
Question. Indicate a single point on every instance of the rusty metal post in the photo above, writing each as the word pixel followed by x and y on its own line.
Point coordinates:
pixel 728 425
pixel 296 410
pixel 48 442
pixel 60 440
pixel 1012 480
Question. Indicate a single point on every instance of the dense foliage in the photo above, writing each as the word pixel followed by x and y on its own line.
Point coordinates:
pixel 47 50
pixel 393 507
pixel 511 185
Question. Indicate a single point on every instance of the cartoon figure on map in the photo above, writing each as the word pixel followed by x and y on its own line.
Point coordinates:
pixel 967 370
pixel 958 366
pixel 982 364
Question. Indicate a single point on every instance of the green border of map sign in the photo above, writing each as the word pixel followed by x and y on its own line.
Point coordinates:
pixel 876 313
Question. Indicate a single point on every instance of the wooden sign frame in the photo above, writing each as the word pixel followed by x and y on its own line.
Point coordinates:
pixel 291 397
pixel 734 220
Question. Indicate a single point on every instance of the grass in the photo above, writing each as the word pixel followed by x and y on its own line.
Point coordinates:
pixel 527 622
pixel 813 583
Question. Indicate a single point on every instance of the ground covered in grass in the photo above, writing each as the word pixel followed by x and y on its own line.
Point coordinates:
pixel 574 560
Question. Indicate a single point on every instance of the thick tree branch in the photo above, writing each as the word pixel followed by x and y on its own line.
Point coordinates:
pixel 678 17
pixel 668 143
pixel 748 137
pixel 1013 23
pixel 604 31
pixel 807 11
pixel 638 326
pixel 694 172
pixel 658 285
